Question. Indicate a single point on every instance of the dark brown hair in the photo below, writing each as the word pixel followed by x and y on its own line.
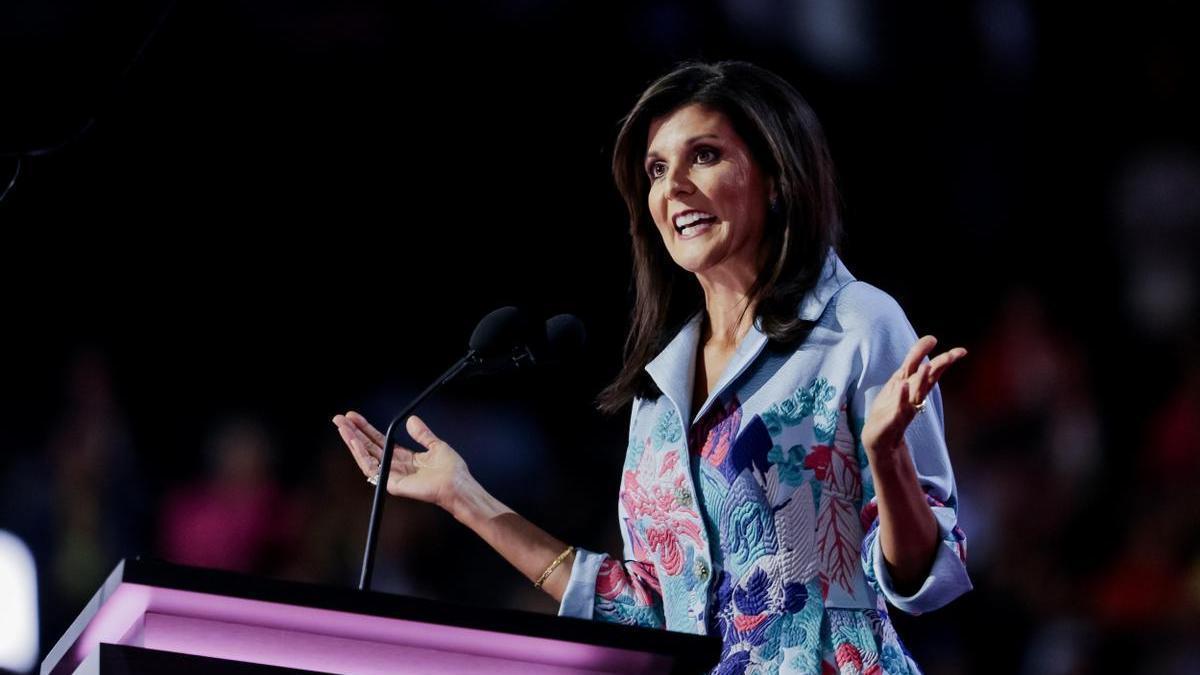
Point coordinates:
pixel 786 141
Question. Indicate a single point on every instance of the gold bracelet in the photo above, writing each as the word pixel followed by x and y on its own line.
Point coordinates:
pixel 549 570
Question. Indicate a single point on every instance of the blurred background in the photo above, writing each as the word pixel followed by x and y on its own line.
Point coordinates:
pixel 234 220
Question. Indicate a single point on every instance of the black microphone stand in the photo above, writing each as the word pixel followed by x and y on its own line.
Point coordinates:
pixel 389 441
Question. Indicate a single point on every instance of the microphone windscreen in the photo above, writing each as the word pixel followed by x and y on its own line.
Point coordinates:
pixel 500 332
pixel 565 337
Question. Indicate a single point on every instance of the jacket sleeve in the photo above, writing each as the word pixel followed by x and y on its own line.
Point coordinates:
pixel 618 591
pixel 887 336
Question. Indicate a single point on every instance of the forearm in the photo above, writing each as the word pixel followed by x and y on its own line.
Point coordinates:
pixel 908 530
pixel 524 545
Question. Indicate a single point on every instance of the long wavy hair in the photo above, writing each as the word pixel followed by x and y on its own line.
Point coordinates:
pixel 786 141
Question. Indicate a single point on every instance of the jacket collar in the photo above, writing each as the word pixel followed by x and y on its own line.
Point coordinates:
pixel 673 370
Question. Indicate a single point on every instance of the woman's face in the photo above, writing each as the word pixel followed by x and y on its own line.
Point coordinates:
pixel 708 197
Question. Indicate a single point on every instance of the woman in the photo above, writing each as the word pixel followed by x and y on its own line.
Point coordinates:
pixel 811 481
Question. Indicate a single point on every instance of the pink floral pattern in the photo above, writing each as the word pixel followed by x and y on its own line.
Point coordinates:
pixel 638 577
pixel 650 495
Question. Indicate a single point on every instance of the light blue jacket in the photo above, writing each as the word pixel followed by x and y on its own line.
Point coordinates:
pixel 758 517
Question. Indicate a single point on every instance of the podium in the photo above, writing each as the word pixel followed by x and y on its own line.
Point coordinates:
pixel 156 617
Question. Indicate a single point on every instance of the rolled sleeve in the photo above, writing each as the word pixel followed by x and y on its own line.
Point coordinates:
pixel 579 600
pixel 887 336
pixel 947 578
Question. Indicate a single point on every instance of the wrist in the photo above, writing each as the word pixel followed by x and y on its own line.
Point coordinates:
pixel 888 456
pixel 470 503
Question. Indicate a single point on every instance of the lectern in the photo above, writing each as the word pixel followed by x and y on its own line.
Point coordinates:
pixel 155 617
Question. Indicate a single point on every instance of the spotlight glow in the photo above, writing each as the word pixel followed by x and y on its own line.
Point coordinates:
pixel 18 605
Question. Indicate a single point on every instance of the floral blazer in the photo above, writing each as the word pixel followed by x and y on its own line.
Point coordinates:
pixel 756 519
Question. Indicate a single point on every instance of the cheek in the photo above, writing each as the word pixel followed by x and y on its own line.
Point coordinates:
pixel 731 191
pixel 742 207
pixel 657 207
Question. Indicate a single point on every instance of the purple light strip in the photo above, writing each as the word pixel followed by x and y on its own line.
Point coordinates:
pixel 321 639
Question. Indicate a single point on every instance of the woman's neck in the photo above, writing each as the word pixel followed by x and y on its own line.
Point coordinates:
pixel 728 314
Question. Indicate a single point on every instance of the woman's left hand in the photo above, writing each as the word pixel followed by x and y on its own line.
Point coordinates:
pixel 896 404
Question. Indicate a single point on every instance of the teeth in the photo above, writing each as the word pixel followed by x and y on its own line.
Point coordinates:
pixel 687 231
pixel 689 218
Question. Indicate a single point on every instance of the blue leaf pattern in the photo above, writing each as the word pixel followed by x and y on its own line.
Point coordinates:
pixel 789 463
pixel 748 524
pixel 667 429
pixel 794 597
pixel 751 448
pixel 752 598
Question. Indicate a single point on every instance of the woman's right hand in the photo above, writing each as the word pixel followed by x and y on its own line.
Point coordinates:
pixel 440 476
pixel 434 476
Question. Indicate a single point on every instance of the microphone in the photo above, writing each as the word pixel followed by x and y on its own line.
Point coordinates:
pixel 565 337
pixel 560 341
pixel 503 339
pixel 501 331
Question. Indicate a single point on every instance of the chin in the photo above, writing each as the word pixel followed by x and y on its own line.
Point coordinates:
pixel 693 264
pixel 696 259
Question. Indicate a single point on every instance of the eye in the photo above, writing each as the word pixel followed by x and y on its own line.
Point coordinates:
pixel 654 170
pixel 706 155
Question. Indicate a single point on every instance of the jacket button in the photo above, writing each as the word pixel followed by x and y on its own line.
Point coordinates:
pixel 683 496
pixel 701 570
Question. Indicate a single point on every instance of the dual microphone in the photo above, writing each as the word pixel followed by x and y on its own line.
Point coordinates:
pixel 505 339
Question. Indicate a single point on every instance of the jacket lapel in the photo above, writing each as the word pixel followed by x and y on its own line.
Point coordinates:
pixel 673 370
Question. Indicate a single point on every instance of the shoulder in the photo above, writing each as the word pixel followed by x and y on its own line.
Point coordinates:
pixel 865 310
pixel 646 408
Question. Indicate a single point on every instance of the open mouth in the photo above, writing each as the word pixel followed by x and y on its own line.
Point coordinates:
pixel 693 222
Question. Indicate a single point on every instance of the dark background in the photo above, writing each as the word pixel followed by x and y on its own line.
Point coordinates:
pixel 268 213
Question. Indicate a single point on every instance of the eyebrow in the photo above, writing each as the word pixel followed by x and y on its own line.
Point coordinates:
pixel 693 139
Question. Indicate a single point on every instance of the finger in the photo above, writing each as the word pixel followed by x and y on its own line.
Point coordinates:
pixel 368 464
pixel 402 465
pixel 904 403
pixel 421 432
pixel 368 446
pixel 919 384
pixel 944 361
pixel 916 354
pixel 402 458
pixel 367 428
pixel 403 462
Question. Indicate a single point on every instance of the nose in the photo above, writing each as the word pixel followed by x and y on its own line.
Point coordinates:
pixel 678 181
